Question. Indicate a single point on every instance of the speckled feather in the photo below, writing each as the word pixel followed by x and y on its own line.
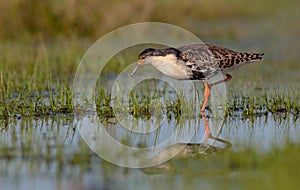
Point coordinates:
pixel 206 60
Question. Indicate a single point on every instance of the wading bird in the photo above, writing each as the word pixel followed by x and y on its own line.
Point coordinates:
pixel 196 62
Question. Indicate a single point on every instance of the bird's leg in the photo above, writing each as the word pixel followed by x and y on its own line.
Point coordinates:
pixel 227 143
pixel 206 96
pixel 208 86
pixel 208 134
pixel 206 128
pixel 228 78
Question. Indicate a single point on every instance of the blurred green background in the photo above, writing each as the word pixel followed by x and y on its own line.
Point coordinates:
pixel 56 34
pixel 52 19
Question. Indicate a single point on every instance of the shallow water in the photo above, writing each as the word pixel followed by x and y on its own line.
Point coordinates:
pixel 50 152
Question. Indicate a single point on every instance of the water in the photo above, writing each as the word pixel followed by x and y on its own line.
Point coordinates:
pixel 50 152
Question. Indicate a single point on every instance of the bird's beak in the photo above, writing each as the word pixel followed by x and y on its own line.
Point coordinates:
pixel 138 65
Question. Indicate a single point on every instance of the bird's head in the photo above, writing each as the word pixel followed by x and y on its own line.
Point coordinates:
pixel 150 55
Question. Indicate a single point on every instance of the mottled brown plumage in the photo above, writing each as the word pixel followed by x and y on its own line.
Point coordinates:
pixel 206 60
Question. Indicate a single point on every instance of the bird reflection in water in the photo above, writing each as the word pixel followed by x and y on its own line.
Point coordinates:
pixel 191 154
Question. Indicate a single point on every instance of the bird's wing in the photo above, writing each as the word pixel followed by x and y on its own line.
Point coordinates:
pixel 228 59
pixel 216 58
pixel 200 60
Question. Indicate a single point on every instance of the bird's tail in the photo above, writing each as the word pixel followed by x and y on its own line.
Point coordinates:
pixel 250 57
pixel 238 59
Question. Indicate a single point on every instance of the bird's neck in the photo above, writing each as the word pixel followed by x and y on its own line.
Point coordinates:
pixel 169 66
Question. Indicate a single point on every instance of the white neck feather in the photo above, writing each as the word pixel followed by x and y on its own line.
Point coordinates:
pixel 169 66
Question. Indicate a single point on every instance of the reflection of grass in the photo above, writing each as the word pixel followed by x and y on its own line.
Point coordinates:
pixel 44 148
pixel 245 169
pixel 32 144
pixel 275 169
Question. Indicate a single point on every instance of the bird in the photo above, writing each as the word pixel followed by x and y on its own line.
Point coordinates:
pixel 196 62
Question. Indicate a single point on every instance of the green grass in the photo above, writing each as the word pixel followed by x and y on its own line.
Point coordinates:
pixel 240 105
pixel 251 104
pixel 36 80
